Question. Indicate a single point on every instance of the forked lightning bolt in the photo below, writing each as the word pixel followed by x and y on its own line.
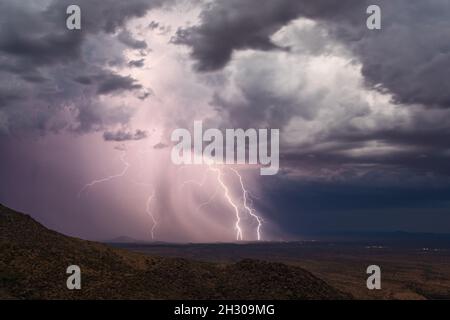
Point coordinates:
pixel 119 175
pixel 230 201
pixel 245 197
pixel 247 207
pixel 221 183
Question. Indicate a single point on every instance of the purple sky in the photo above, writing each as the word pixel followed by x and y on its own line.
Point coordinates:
pixel 363 115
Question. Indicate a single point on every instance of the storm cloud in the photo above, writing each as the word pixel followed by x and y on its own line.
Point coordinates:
pixel 123 135
pixel 52 77
pixel 266 48
pixel 363 114
pixel 409 57
pixel 126 38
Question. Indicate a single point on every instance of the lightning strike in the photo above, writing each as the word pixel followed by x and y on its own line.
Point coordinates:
pixel 119 175
pixel 249 209
pixel 220 183
pixel 150 213
pixel 230 201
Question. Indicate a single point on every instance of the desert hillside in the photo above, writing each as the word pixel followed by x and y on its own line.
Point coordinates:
pixel 34 261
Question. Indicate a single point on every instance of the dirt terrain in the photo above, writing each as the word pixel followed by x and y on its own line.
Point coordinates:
pixel 34 261
pixel 408 271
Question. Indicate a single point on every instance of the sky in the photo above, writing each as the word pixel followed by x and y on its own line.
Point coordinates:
pixel 364 116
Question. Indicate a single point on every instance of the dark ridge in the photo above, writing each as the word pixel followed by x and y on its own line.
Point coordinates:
pixel 34 262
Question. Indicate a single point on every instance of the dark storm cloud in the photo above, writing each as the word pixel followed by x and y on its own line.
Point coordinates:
pixel 117 83
pixel 411 54
pixel 126 38
pixel 153 25
pixel 38 34
pixel 123 135
pixel 6 97
pixel 419 152
pixel 137 63
pixel 42 50
pixel 34 77
pixel 104 15
pixel 27 37
pixel 107 82
pixel 409 57
pixel 49 72
pixel 227 26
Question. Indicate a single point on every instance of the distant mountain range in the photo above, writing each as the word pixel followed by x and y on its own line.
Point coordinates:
pixel 34 261
pixel 398 238
pixel 403 238
pixel 124 239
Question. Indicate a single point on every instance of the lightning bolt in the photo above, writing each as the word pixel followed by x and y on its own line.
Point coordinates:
pixel 148 205
pixel 220 183
pixel 150 213
pixel 247 207
pixel 245 197
pixel 230 201
pixel 119 175
pixel 109 178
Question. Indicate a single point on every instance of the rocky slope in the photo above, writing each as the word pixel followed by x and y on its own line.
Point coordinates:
pixel 34 260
